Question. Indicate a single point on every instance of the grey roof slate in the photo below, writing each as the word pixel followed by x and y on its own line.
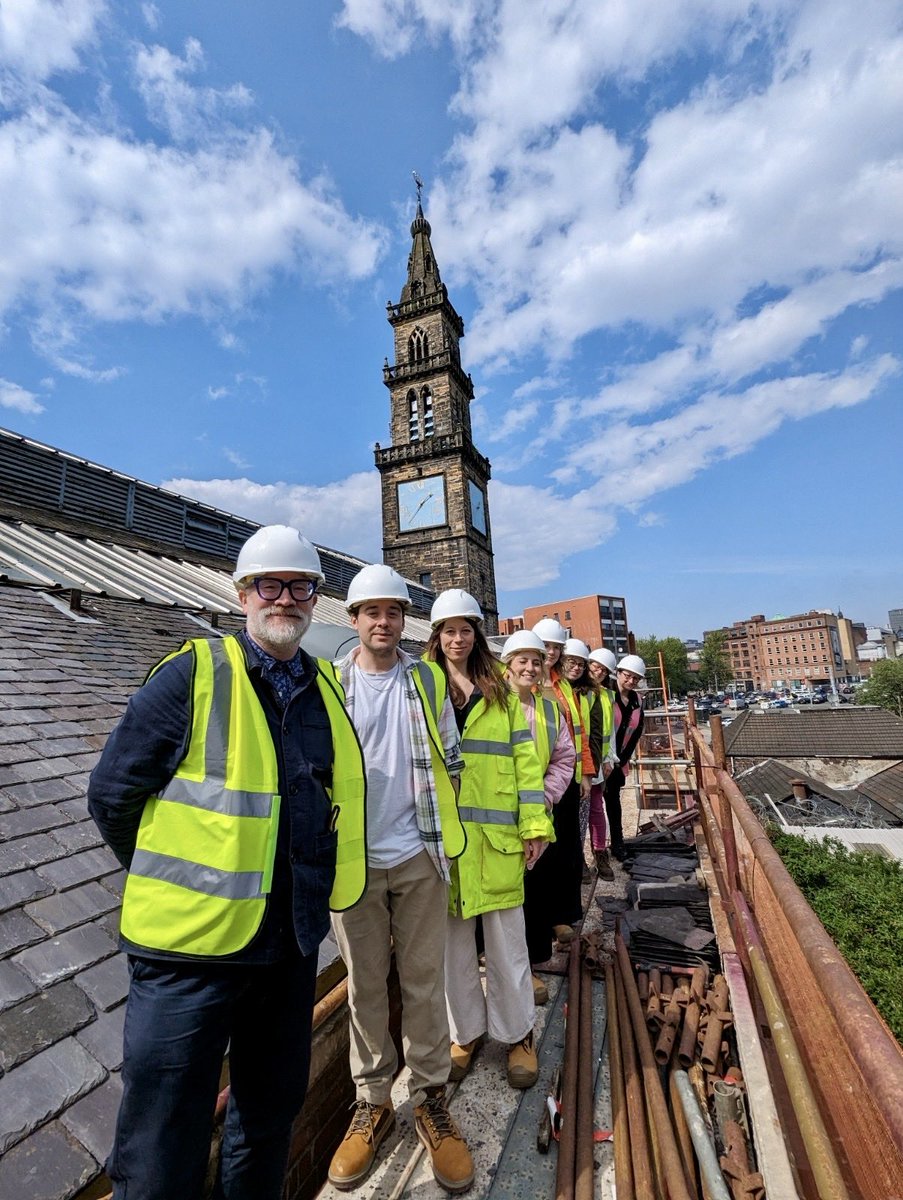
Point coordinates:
pixel 886 788
pixel 851 731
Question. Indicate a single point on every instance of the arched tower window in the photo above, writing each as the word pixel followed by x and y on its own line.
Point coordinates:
pixel 413 417
pixel 426 397
pixel 418 346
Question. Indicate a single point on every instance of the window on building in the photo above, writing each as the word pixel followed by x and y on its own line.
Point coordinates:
pixel 413 417
pixel 426 398
pixel 567 614
pixel 426 579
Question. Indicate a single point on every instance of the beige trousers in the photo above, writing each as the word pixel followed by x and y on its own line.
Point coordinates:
pixel 506 1011
pixel 407 905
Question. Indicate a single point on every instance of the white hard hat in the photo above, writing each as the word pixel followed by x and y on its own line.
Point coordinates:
pixel 524 639
pixel 633 662
pixel 605 657
pixel 377 582
pixel 277 548
pixel 550 631
pixel 455 603
pixel 575 648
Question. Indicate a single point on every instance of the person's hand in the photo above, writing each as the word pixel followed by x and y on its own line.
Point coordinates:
pixel 533 848
pixel 607 769
pixel 585 786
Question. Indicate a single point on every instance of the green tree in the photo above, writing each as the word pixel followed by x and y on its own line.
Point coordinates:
pixel 674 655
pixel 715 669
pixel 884 686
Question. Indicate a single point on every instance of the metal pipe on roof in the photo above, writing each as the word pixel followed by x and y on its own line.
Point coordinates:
pixel 640 1149
pixel 705 1151
pixel 619 1116
pixel 567 1145
pixel 812 1128
pixel 663 1131
pixel 583 1166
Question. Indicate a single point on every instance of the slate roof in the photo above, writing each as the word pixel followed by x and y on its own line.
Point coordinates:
pixel 886 788
pixel 769 785
pixel 852 731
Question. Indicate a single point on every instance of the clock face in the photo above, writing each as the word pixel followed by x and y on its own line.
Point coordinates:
pixel 421 503
pixel 477 508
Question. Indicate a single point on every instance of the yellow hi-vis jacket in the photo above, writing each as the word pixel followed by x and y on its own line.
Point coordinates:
pixel 501 804
pixel 203 863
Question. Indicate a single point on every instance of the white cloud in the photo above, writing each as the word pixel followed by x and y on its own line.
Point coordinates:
pixel 518 417
pixel 217 393
pixel 236 459
pixel 40 37
pixel 650 520
pixel 639 461
pixel 345 514
pixel 178 106
pixel 98 225
pixel 18 398
pixel 535 529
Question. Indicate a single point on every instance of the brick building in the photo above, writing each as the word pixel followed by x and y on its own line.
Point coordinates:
pixel 597 620
pixel 797 652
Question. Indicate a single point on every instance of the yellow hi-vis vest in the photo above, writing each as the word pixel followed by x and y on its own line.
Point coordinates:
pixel 577 721
pixel 203 862
pixel 547 721
pixel 432 687
pixel 603 697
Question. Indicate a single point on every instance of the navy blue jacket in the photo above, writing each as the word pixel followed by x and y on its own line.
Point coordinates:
pixel 141 756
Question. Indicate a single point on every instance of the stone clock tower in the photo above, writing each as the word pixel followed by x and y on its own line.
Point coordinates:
pixel 436 528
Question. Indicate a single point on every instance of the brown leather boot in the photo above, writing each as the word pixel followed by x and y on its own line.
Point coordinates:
pixel 353 1159
pixel 450 1158
pixel 603 865
pixel 540 991
pixel 462 1058
pixel 523 1066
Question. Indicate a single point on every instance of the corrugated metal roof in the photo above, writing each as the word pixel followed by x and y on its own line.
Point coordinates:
pixel 57 561
pixel 888 841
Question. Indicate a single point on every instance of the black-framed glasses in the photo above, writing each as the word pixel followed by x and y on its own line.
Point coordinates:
pixel 268 588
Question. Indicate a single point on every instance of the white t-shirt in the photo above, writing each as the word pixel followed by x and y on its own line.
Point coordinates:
pixel 381 721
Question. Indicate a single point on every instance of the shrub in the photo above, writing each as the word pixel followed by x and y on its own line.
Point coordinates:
pixel 858 897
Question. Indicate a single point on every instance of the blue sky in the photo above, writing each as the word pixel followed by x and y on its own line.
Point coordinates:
pixel 673 231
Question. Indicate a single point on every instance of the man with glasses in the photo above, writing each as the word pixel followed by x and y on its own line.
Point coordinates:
pixel 228 790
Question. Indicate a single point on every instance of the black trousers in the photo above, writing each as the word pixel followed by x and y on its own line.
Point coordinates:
pixel 552 888
pixel 612 794
pixel 180 1017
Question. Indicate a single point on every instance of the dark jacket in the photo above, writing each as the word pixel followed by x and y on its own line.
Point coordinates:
pixel 150 741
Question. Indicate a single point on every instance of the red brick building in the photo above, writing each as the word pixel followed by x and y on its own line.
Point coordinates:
pixel 597 620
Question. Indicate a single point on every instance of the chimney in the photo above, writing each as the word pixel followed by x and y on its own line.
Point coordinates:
pixel 800 790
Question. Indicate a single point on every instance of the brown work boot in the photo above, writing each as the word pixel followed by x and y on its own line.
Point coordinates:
pixel 540 991
pixel 564 933
pixel 450 1158
pixel 357 1149
pixel 603 865
pixel 462 1058
pixel 523 1067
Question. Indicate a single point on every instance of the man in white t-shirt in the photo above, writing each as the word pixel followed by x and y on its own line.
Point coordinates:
pixel 405 722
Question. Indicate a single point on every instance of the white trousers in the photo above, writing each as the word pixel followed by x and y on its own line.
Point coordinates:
pixel 506 1011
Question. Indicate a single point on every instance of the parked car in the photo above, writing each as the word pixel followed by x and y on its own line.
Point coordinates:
pixel 818 698
pixel 779 703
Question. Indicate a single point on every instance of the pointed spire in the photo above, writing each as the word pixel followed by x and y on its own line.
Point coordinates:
pixel 423 274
